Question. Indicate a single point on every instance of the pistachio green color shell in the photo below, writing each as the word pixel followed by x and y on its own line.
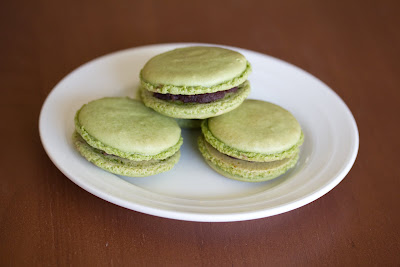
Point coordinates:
pixel 127 128
pixel 195 70
pixel 178 109
pixel 123 166
pixel 244 170
pixel 255 131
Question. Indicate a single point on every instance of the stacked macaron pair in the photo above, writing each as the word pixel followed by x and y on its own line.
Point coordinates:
pixel 247 140
pixel 195 83
pixel 256 142
pixel 123 136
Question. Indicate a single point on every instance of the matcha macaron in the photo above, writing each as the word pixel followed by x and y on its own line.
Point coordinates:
pixel 123 136
pixel 195 82
pixel 256 142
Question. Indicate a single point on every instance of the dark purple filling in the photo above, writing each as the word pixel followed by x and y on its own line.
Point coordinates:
pixel 201 98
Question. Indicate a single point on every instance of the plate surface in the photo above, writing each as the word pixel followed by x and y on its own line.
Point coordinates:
pixel 193 191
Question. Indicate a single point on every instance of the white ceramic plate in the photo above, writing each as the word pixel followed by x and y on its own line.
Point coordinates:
pixel 192 191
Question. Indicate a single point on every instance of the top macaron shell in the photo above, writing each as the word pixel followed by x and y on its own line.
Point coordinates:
pixel 255 130
pixel 195 70
pixel 127 128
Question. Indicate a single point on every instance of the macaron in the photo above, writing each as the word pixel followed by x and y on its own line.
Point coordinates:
pixel 123 136
pixel 256 142
pixel 195 82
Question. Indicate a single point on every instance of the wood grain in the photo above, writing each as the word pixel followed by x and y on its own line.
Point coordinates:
pixel 353 46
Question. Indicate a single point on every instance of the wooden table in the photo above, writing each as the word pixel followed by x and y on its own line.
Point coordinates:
pixel 353 46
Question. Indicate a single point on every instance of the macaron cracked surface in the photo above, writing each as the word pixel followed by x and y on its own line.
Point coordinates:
pixel 195 82
pixel 123 136
pixel 256 142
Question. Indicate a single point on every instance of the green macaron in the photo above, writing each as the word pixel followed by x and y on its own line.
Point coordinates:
pixel 195 82
pixel 258 141
pixel 123 136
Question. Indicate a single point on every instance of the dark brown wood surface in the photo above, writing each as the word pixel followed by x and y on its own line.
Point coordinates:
pixel 353 46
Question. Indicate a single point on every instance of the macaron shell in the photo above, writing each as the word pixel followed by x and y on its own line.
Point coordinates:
pixel 122 166
pixel 244 170
pixel 195 70
pixel 124 126
pixel 245 155
pixel 197 110
pixel 257 126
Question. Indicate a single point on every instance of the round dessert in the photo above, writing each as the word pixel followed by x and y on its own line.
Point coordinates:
pixel 123 136
pixel 256 142
pixel 195 82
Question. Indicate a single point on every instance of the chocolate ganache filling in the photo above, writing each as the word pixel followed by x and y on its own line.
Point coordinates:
pixel 200 98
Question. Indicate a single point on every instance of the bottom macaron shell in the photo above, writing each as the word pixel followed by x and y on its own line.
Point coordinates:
pixel 121 166
pixel 244 170
pixel 196 110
